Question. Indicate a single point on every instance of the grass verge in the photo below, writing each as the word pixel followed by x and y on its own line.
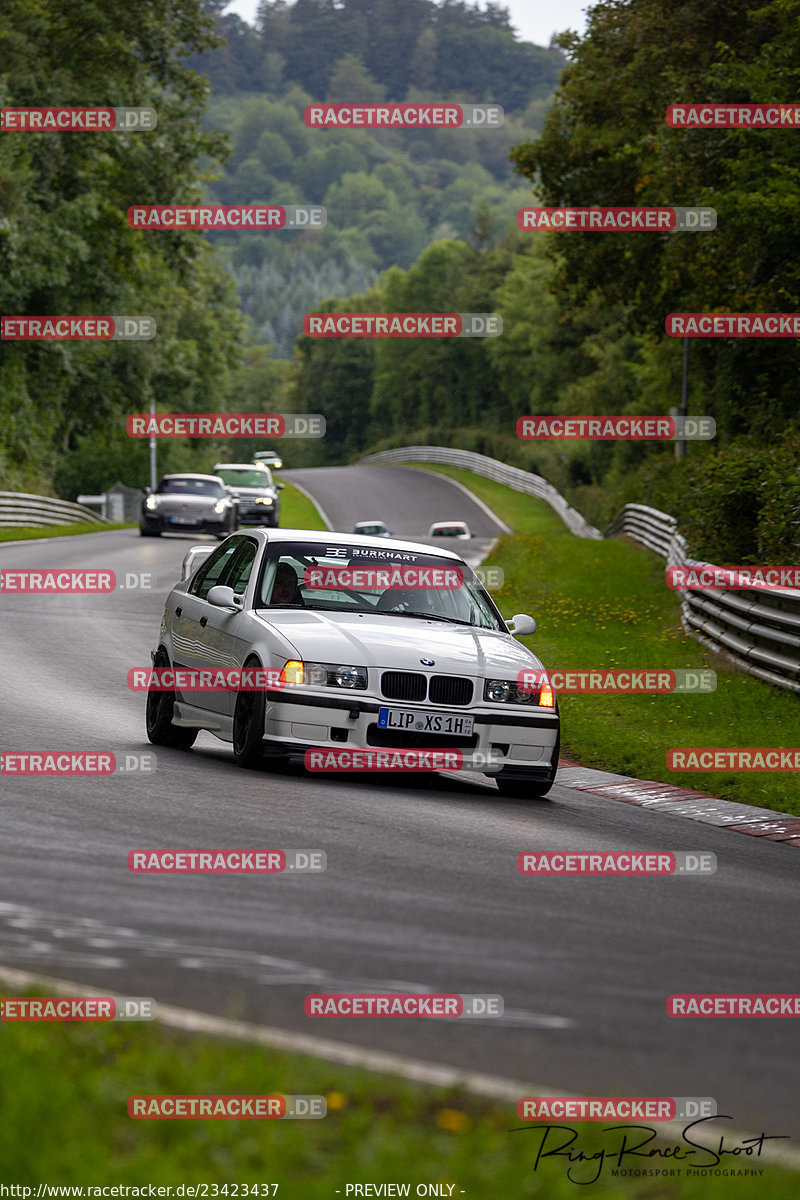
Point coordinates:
pixel 20 533
pixel 297 511
pixel 63 1120
pixel 606 604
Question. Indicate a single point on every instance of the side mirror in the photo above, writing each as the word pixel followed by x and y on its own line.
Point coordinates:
pixel 279 486
pixel 223 597
pixel 148 491
pixel 520 624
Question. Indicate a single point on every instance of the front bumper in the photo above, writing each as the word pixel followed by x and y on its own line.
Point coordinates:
pixel 522 743
pixel 153 523
pixel 258 514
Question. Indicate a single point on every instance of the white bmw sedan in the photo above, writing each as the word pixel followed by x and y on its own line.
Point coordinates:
pixel 363 644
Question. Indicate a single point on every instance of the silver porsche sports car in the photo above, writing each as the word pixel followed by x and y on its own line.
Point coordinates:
pixel 362 643
pixel 189 503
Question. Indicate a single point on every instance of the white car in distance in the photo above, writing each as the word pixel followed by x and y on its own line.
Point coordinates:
pixel 373 529
pixel 450 529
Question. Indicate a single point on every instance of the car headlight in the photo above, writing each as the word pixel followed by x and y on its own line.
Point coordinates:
pixel 151 503
pixel 263 500
pixel 505 691
pixel 334 675
pixel 351 677
pixel 220 506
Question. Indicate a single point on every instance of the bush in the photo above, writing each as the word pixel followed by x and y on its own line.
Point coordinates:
pixel 779 518
pixel 719 504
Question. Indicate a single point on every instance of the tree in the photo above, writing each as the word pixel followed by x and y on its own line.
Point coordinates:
pixel 606 142
pixel 422 69
pixel 65 246
pixel 351 82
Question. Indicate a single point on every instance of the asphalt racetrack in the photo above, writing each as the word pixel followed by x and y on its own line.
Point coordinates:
pixel 421 892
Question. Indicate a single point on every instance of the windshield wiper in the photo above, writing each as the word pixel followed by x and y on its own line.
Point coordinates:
pixel 426 616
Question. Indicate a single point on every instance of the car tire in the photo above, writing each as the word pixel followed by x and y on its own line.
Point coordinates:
pixel 531 789
pixel 149 532
pixel 248 725
pixel 158 718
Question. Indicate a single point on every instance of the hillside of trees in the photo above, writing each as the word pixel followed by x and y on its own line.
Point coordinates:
pixel 417 221
pixel 388 193
pixel 228 308
pixel 442 47
pixel 584 312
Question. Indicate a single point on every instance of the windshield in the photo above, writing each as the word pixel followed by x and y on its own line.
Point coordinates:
pixel 253 477
pixel 186 486
pixel 371 580
pixel 449 531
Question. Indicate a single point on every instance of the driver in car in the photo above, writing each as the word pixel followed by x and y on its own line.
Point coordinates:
pixel 285 589
pixel 404 601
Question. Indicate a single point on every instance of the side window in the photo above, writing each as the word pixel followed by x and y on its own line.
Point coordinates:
pixel 212 569
pixel 239 573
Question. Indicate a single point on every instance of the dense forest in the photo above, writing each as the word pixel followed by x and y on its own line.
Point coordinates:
pixel 416 221
pixel 230 99
pixel 584 312
pixel 441 47
pixel 388 193
pixel 66 248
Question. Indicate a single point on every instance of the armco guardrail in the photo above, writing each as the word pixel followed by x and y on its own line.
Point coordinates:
pixel 491 468
pixel 20 508
pixel 759 631
pixel 656 530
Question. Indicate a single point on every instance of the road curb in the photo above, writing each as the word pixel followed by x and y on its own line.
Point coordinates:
pixel 679 801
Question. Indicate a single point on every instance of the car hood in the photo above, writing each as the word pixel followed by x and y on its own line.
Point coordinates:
pixel 173 504
pixel 398 643
pixel 235 490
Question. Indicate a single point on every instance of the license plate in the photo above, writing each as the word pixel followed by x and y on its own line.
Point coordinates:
pixel 182 521
pixel 424 722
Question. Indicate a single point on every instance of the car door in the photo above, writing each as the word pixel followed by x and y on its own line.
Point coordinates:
pixel 228 631
pixel 196 640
